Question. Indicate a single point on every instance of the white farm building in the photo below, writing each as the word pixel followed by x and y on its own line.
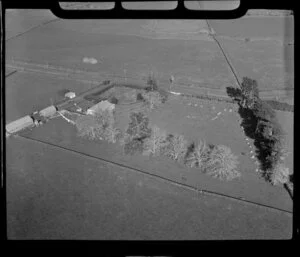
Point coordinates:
pixel 19 124
pixel 101 106
pixel 70 95
pixel 49 111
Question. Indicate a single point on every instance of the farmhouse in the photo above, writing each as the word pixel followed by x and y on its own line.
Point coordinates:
pixel 101 106
pixel 19 124
pixel 49 111
pixel 70 95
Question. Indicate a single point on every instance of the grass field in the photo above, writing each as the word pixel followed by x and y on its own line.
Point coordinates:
pixel 57 194
pixel 62 186
pixel 182 116
pixel 28 92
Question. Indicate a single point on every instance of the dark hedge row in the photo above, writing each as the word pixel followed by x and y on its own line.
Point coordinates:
pixel 280 106
pixel 260 123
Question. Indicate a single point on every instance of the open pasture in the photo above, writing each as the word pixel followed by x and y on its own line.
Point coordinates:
pixel 214 122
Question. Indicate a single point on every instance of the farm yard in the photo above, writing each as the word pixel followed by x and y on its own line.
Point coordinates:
pixel 166 142
pixel 216 123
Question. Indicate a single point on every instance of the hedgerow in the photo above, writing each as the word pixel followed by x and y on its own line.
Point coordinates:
pixel 260 123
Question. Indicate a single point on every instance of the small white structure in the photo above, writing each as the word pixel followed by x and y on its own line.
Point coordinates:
pixel 19 124
pixel 101 106
pixel 70 95
pixel 48 112
pixel 89 60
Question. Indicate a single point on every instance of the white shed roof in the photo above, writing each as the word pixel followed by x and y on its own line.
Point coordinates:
pixel 101 106
pixel 70 95
pixel 49 111
pixel 19 124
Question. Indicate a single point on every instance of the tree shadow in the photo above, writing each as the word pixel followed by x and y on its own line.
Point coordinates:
pixel 249 124
pixel 234 93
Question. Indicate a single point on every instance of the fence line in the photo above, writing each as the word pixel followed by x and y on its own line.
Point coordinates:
pixel 69 73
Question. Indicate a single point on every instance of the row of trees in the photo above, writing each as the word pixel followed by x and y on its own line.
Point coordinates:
pixel 217 161
pixel 260 123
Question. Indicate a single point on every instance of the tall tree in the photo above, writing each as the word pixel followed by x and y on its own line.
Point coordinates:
pixel 250 93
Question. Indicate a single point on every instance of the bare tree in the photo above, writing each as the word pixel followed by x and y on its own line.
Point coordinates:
pixel 112 134
pixel 176 147
pixel 279 175
pixel 156 142
pixel 222 163
pixel 199 155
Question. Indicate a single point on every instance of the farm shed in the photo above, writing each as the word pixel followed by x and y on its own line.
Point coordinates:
pixel 70 95
pixel 19 124
pixel 49 111
pixel 101 106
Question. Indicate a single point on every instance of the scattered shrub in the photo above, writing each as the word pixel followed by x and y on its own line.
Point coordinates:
pixel 198 155
pixel 222 163
pixel 176 147
pixel 156 142
pixel 154 98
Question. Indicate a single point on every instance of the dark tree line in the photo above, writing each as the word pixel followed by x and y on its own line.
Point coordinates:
pixel 260 123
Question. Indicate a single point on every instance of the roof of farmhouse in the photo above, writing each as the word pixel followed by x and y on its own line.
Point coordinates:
pixel 103 105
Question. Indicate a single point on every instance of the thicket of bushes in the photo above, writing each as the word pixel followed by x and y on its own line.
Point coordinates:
pixel 260 123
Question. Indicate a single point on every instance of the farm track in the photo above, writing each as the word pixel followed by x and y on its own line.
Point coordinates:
pixel 164 179
pixel 96 78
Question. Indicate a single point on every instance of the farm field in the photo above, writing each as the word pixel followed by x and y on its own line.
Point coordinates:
pixel 189 61
pixel 277 28
pixel 56 194
pixel 253 59
pixel 195 119
pixel 260 47
pixel 19 21
pixel 29 92
pixel 63 186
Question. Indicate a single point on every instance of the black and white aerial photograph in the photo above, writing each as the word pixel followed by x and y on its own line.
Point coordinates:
pixel 149 129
